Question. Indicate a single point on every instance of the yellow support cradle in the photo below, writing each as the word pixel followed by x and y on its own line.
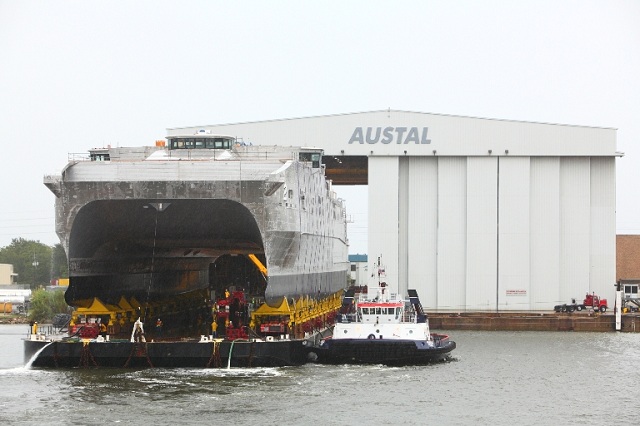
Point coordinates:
pixel 302 311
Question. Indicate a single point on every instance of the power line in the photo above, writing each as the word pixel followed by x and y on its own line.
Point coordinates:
pixel 25 220
pixel 48 225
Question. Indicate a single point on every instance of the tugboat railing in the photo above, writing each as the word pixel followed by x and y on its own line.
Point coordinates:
pixel 383 295
pixel 407 317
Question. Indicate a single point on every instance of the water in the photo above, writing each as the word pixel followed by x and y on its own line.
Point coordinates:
pixel 36 355
pixel 497 378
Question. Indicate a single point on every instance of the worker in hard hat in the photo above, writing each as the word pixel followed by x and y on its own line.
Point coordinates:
pixel 103 329
pixel 159 328
pixel 214 328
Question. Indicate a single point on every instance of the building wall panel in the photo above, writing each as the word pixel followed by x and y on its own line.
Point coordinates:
pixel 513 233
pixel 545 232
pixel 575 226
pixel 482 242
pixel 383 226
pixel 603 225
pixel 422 238
pixel 452 219
pixel 404 229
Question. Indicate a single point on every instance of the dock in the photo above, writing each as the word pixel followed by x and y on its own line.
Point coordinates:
pixel 532 321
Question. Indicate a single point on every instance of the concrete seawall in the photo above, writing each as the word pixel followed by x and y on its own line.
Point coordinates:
pixel 532 322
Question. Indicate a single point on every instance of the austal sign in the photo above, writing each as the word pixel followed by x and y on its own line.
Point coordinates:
pixel 387 135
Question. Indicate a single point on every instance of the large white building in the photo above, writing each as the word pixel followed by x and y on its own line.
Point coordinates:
pixel 476 214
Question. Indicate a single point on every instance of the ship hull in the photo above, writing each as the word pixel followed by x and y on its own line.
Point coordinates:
pixel 393 352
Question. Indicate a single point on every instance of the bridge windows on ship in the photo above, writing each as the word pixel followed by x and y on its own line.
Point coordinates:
pixel 99 157
pixel 99 154
pixel 200 143
pixel 313 157
pixel 218 144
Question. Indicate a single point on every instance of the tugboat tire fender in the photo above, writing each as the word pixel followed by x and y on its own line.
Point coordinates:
pixel 371 336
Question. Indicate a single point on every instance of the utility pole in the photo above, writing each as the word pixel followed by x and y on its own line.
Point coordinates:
pixel 35 269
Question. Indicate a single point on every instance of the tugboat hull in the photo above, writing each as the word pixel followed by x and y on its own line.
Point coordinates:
pixel 381 351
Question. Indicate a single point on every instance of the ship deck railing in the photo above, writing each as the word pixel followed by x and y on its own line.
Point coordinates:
pixel 365 297
pixel 247 153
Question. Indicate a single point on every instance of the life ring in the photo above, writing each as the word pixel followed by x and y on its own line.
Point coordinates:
pixel 371 336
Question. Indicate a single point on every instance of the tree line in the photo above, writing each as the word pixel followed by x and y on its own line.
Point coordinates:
pixel 35 263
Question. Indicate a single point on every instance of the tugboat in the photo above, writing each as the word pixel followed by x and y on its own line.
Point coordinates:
pixel 379 327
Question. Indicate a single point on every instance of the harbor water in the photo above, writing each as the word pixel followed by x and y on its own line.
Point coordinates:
pixel 497 378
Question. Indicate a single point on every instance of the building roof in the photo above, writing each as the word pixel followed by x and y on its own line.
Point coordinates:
pixel 408 133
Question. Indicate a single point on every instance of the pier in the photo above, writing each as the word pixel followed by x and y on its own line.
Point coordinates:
pixel 533 321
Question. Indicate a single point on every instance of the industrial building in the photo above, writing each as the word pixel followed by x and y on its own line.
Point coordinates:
pixel 7 276
pixel 628 265
pixel 476 214
pixel 359 273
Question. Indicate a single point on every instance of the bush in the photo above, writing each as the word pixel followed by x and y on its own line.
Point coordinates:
pixel 46 304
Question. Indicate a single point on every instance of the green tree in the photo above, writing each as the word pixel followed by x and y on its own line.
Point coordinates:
pixel 31 260
pixel 45 304
pixel 59 264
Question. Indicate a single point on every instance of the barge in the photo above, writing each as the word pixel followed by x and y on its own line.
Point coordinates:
pixel 204 353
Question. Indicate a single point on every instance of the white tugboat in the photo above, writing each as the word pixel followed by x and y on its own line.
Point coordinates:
pixel 379 327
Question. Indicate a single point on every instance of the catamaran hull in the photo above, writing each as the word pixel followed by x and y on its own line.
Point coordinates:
pixel 155 229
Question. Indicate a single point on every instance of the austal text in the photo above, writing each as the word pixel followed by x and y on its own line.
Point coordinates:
pixel 386 135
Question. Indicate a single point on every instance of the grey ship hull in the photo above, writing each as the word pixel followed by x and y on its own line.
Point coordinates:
pixel 154 229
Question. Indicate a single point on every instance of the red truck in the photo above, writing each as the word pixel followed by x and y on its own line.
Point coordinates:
pixel 590 301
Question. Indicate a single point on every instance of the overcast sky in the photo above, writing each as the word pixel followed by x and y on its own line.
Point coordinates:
pixel 77 74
